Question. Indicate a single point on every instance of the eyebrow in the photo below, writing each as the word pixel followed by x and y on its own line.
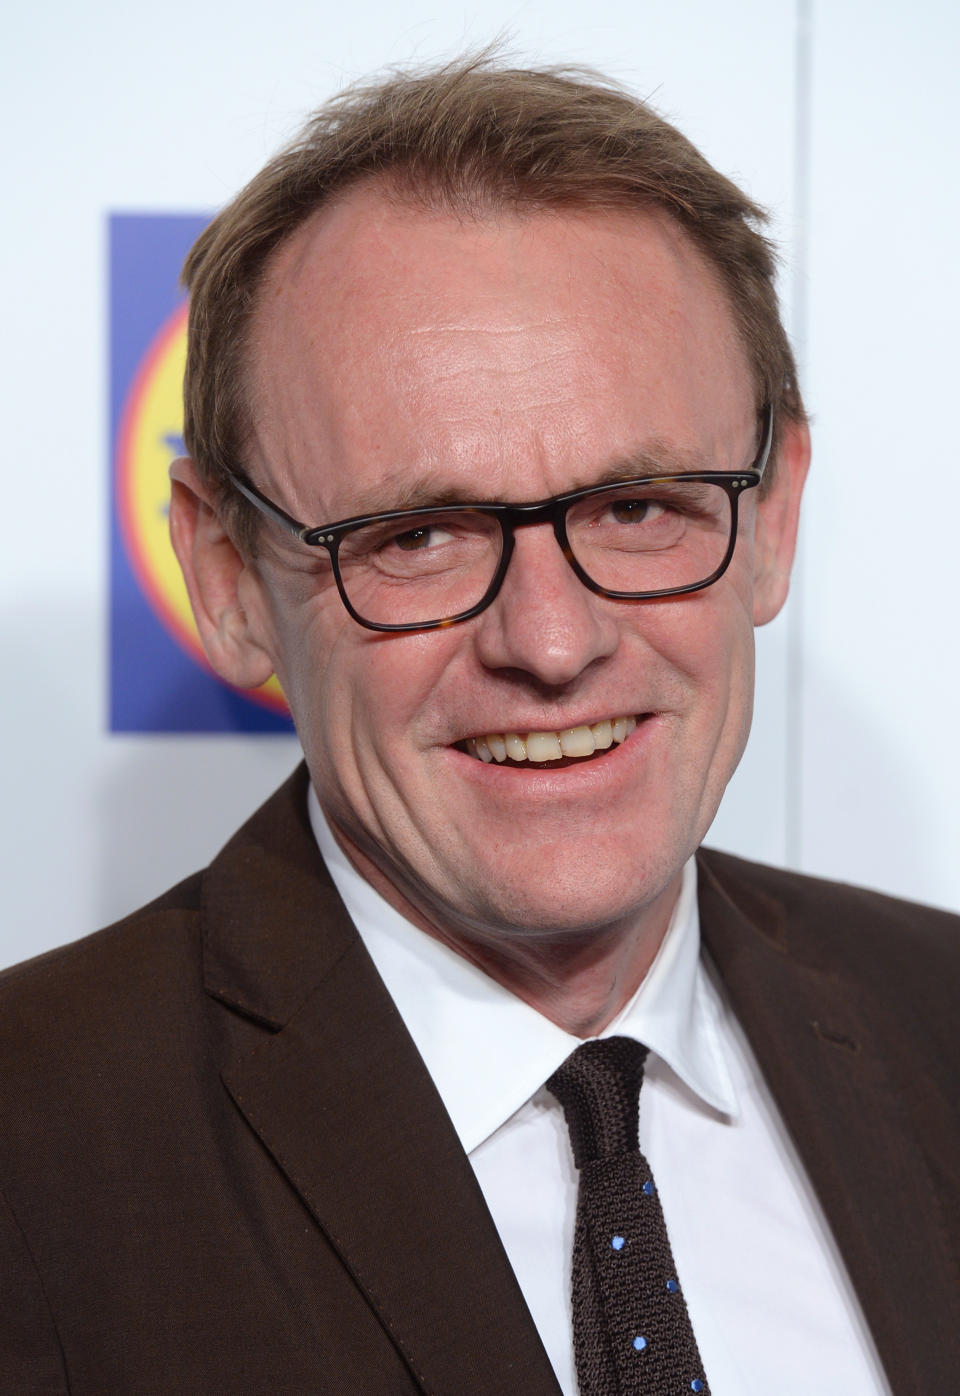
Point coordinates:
pixel 431 491
pixel 652 461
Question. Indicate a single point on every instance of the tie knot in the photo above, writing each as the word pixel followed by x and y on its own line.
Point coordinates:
pixel 599 1088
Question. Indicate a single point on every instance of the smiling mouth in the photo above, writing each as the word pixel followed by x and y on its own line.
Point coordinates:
pixel 569 747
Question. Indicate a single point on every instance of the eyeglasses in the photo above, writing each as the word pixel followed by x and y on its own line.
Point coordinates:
pixel 634 540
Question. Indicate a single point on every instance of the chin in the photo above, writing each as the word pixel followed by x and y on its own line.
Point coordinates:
pixel 564 901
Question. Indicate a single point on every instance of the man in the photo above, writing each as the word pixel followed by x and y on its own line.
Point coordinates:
pixel 496 460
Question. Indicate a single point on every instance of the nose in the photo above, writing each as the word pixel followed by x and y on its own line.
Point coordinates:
pixel 544 622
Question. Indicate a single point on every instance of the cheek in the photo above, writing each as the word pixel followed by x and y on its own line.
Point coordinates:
pixel 726 683
pixel 309 635
pixel 363 702
pixel 708 636
pixel 706 641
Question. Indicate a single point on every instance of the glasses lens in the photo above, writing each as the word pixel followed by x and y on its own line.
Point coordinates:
pixel 419 567
pixel 651 537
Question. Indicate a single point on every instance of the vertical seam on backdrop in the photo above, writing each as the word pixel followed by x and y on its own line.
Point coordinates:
pixel 802 121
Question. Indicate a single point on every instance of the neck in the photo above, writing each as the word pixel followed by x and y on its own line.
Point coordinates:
pixel 579 980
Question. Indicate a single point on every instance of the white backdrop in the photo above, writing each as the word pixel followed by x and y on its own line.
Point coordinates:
pixel 842 117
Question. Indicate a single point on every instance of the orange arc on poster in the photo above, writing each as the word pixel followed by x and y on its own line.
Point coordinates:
pixel 151 429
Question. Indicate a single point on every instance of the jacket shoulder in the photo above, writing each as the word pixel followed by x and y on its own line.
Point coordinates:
pixel 95 960
pixel 901 958
pixel 89 1009
pixel 836 912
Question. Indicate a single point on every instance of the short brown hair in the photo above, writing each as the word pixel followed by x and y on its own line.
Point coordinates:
pixel 472 137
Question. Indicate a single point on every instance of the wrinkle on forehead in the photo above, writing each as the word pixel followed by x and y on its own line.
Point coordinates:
pixel 434 488
pixel 369 300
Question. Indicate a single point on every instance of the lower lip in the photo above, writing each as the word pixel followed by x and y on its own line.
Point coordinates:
pixel 544 779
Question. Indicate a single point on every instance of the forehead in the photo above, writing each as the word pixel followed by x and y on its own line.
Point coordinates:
pixel 496 353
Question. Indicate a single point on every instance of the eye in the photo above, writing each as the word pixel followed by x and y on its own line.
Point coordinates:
pixel 635 511
pixel 422 544
pixel 660 506
pixel 420 539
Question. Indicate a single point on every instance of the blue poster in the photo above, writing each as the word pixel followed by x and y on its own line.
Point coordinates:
pixel 159 678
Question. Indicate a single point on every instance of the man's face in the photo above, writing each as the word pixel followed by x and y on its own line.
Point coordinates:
pixel 400 354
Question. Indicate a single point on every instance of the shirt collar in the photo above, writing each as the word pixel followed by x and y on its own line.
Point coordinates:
pixel 487 1051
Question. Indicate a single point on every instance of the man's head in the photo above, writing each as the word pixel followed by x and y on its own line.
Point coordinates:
pixel 474 140
pixel 490 286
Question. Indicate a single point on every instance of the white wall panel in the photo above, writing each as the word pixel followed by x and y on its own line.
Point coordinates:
pixel 880 739
pixel 108 106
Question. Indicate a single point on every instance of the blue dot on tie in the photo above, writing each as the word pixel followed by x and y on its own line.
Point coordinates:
pixel 639 1343
pixel 672 1286
pixel 696 1384
pixel 649 1189
pixel 618 1243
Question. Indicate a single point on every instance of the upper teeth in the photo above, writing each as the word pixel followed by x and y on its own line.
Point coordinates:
pixel 550 746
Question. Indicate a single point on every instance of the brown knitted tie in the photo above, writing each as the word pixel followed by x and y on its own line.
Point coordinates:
pixel 631 1329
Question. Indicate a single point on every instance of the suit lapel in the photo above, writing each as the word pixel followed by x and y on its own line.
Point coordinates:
pixel 827 1062
pixel 338 1094
pixel 343 1102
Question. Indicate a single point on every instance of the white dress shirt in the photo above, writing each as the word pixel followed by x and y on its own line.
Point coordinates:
pixel 768 1295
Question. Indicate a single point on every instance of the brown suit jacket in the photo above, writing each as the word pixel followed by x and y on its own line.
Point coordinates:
pixel 225 1169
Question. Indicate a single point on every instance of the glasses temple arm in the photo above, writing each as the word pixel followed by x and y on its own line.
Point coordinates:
pixel 266 506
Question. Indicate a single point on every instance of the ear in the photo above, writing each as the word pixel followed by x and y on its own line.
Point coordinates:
pixel 223 587
pixel 778 515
